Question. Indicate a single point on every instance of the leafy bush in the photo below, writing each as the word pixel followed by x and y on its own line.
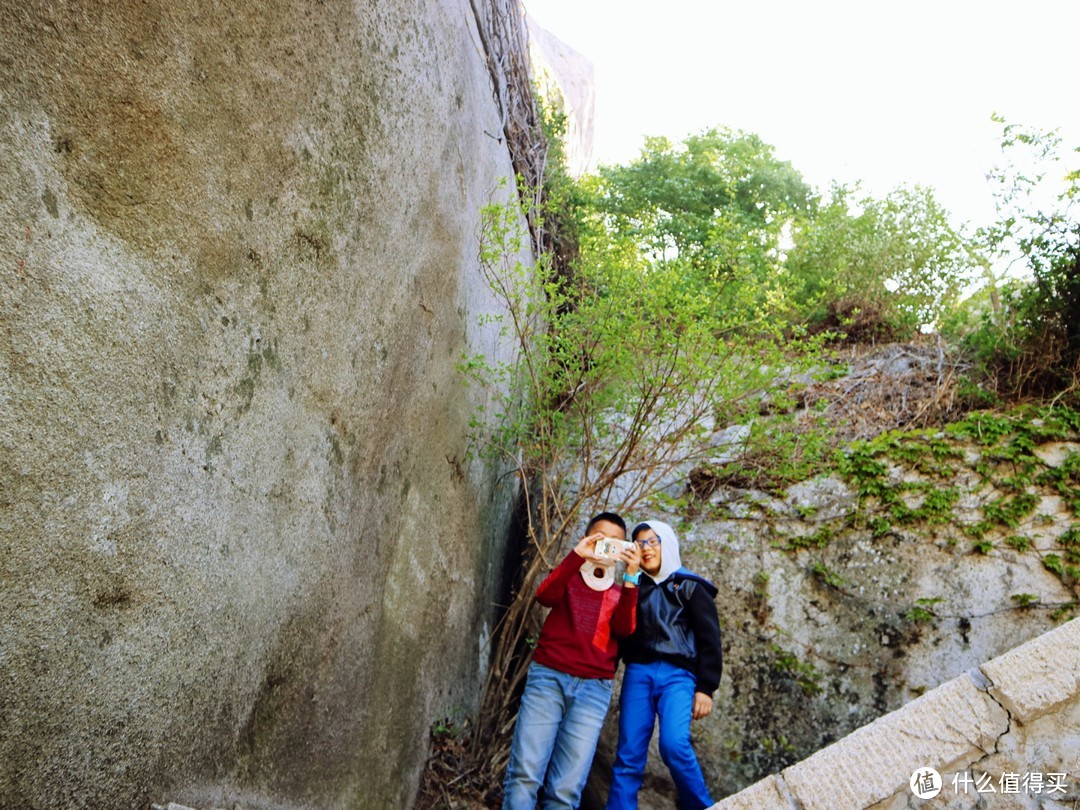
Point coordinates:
pixel 621 368
pixel 875 270
pixel 1022 331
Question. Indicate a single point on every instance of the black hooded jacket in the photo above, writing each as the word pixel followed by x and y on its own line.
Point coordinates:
pixel 677 623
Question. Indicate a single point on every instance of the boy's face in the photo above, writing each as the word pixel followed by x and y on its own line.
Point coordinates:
pixel 650 551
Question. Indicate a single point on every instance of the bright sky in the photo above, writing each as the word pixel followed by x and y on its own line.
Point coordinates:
pixel 885 92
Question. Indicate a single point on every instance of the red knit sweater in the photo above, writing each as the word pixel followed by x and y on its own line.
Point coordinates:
pixel 579 634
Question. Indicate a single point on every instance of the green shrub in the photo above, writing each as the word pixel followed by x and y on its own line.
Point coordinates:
pixel 1021 331
pixel 875 270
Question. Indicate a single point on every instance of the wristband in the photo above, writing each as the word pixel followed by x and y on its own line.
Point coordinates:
pixel 631 579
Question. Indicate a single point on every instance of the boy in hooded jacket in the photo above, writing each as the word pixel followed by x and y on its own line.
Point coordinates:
pixel 673 665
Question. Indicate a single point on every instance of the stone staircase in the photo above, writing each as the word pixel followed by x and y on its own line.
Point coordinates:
pixel 1004 735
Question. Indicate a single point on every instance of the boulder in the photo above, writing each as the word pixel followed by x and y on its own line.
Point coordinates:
pixel 245 555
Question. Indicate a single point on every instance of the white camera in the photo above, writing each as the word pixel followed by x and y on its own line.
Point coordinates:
pixel 609 549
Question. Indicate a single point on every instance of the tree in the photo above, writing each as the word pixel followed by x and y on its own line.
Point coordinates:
pixel 719 200
pixel 621 371
pixel 1027 342
pixel 876 268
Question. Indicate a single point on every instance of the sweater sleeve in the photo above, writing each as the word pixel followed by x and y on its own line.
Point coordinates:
pixel 553 588
pixel 710 656
pixel 624 622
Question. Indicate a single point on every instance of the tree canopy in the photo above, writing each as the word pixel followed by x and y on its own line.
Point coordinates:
pixel 703 199
pixel 889 266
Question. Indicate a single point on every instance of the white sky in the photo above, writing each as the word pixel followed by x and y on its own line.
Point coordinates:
pixel 886 92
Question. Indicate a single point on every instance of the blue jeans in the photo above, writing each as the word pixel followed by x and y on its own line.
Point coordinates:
pixel 555 738
pixel 649 690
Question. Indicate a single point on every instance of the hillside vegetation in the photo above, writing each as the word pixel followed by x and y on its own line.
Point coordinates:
pixel 710 335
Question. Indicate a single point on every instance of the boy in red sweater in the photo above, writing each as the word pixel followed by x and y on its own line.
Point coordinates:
pixel 570 678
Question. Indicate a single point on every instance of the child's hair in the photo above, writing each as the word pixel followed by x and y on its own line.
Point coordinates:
pixel 610 517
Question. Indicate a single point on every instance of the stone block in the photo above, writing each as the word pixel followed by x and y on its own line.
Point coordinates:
pixel 768 794
pixel 945 725
pixel 240 532
pixel 1036 677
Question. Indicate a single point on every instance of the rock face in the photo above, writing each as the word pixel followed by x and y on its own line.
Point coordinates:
pixel 1003 735
pixel 243 553
pixel 846 597
pixel 566 78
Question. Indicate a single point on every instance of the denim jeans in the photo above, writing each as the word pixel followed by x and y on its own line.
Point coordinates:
pixel 555 738
pixel 651 690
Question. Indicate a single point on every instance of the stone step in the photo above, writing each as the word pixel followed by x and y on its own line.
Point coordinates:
pixel 1011 725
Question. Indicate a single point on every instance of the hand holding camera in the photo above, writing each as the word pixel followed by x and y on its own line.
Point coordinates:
pixel 632 557
pixel 612 550
pixel 586 547
pixel 602 549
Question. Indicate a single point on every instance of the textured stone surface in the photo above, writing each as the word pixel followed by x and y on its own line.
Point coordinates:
pixel 768 794
pixel 567 77
pixel 955 721
pixel 829 624
pixel 241 550
pixel 1035 766
pixel 985 756
pixel 1038 676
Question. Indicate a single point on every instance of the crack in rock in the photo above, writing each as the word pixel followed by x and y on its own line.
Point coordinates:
pixel 984 684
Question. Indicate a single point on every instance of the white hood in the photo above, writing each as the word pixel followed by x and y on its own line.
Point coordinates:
pixel 670 562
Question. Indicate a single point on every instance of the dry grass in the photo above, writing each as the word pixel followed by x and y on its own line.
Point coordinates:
pixel 888 386
pixel 454 779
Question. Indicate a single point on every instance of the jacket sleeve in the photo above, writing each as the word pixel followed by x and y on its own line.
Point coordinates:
pixel 553 588
pixel 710 656
pixel 624 622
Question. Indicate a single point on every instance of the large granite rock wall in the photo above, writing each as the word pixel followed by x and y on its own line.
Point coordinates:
pixel 566 79
pixel 243 554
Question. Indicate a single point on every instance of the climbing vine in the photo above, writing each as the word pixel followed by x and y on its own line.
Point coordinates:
pixel 904 479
